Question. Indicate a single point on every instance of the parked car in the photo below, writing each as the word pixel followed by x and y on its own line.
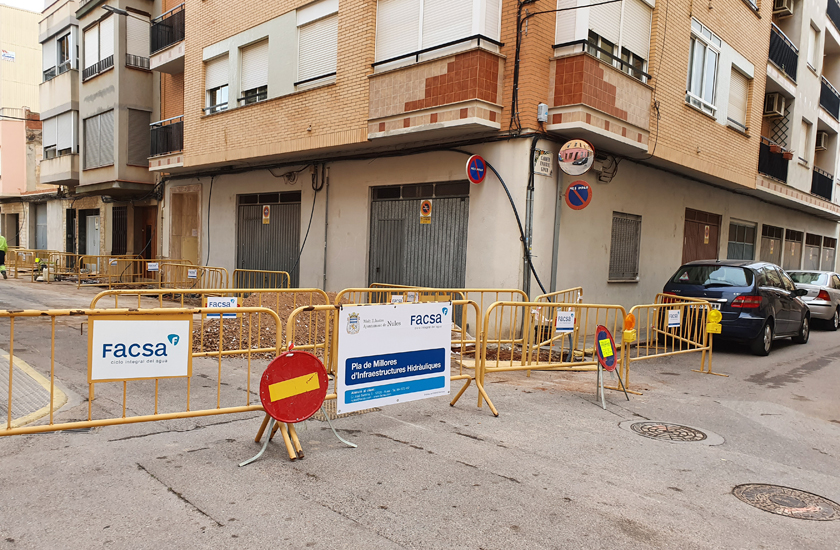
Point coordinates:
pixel 823 298
pixel 758 300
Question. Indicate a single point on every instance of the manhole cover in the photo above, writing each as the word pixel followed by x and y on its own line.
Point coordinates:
pixel 667 432
pixel 785 501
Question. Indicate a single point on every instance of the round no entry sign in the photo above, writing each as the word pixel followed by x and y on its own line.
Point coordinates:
pixel 605 348
pixel 578 195
pixel 293 387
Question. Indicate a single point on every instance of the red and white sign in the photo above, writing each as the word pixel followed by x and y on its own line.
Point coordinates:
pixel 266 214
pixel 578 195
pixel 293 387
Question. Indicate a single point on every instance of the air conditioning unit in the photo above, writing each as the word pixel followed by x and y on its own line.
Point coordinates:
pixel 782 8
pixel 822 141
pixel 774 105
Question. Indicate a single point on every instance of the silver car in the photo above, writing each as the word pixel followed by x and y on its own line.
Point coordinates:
pixel 823 298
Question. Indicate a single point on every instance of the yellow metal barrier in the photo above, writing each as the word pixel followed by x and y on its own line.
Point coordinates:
pixel 24 259
pixel 191 276
pixel 255 278
pixel 62 265
pixel 568 296
pixel 118 271
pixel 537 346
pixel 172 397
pixel 318 334
pixel 672 325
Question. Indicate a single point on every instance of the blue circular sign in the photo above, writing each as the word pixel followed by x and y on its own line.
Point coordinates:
pixel 476 169
pixel 578 195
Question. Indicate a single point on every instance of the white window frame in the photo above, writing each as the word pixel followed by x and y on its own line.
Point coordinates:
pixel 711 41
pixel 812 58
pixel 806 128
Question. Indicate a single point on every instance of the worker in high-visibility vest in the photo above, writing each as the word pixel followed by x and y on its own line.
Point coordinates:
pixel 3 248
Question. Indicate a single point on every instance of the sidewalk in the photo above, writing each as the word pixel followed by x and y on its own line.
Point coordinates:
pixel 30 393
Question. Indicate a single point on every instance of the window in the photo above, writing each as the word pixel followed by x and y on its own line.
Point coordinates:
pixel 99 47
pixel 808 278
pixel 813 46
pixel 827 260
pixel 713 275
pixel 635 37
pixel 601 48
pixel 137 41
pixel 770 277
pixel 216 84
pixel 139 137
pixel 786 282
pixel 739 87
pixel 99 140
pixel 317 43
pixel 702 68
pixel 741 241
pixel 805 142
pixel 63 53
pixel 625 244
pixel 633 64
pixel 405 26
pixel 48 137
pixel 254 73
pixel 66 124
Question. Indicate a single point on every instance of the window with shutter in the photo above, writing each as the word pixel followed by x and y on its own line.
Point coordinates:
pixel 106 38
pixel 48 129
pixel 397 21
pixel 739 87
pixel 216 84
pixel 91 46
pixel 137 36
pixel 92 142
pixel 605 21
pixel 139 137
pixel 254 72
pixel 635 32
pixel 64 133
pixel 106 138
pixel 566 21
pixel 48 55
pixel 317 49
pixel 445 21
pixel 492 19
pixel 625 246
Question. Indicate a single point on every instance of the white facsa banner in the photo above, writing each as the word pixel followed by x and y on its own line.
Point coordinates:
pixel 392 354
pixel 137 347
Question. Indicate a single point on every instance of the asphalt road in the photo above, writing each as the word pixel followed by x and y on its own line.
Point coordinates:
pixel 554 470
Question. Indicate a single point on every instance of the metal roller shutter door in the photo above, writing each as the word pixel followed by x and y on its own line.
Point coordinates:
pixel 271 247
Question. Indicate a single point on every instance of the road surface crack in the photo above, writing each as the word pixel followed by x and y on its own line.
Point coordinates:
pixel 179 495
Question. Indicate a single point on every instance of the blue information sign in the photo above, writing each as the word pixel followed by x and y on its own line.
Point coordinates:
pixel 476 169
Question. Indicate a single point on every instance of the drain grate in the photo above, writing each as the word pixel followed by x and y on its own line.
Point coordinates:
pixel 667 432
pixel 788 502
pixel 329 408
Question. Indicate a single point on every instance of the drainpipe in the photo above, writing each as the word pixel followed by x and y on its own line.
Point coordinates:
pixel 326 224
pixel 556 241
pixel 529 220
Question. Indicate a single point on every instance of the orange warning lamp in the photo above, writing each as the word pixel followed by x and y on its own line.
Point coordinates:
pixel 629 322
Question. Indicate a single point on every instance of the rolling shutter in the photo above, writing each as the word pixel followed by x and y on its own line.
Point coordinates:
pixel 137 36
pixel 64 131
pixel 48 55
pixel 91 46
pixel 216 72
pixel 92 142
pixel 445 21
pixel 48 132
pixel 255 66
pixel 492 19
pixel 106 38
pixel 397 28
pixel 605 20
pixel 139 137
pixel 636 32
pixel 565 31
pixel 738 91
pixel 318 48
pixel 106 138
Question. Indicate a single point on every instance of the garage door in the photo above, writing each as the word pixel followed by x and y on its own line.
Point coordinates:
pixel 272 246
pixel 702 230
pixel 405 251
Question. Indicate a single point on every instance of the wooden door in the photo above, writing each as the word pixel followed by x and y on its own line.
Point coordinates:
pixel 184 227
pixel 701 237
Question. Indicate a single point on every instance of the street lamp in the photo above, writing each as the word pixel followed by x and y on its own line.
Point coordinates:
pixel 119 11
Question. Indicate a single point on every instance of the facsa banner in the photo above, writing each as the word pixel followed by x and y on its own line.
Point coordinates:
pixel 392 353
pixel 134 347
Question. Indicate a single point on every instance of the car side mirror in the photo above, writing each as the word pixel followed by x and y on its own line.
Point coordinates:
pixel 800 292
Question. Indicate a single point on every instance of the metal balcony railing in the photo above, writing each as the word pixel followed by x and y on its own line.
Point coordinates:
pixel 137 61
pixel 606 57
pixel 783 53
pixel 771 164
pixel 168 29
pixel 833 12
pixel 98 67
pixel 830 98
pixel 416 54
pixel 822 183
pixel 167 136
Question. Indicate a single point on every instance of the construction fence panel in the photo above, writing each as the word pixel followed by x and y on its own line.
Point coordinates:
pixel 192 276
pixel 218 382
pixel 256 278
pixel 23 260
pixel 568 296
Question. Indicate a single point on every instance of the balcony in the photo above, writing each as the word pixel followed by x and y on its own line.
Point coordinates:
pixel 822 183
pixel 49 74
pixel 830 99
pixel 601 99
pixel 98 67
pixel 61 14
pixel 771 164
pixel 783 54
pixel 833 12
pixel 136 61
pixel 167 144
pixel 454 94
pixel 62 170
pixel 167 42
pixel 60 90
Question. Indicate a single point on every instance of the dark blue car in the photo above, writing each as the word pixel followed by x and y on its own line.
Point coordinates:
pixel 758 300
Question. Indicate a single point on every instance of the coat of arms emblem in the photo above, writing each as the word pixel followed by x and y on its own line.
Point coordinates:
pixel 353 325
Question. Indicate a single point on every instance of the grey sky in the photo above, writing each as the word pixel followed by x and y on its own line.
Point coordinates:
pixel 31 5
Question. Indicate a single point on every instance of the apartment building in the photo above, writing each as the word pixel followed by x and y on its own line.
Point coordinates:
pixel 304 136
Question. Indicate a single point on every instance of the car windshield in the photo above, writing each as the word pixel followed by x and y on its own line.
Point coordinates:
pixel 808 278
pixel 713 275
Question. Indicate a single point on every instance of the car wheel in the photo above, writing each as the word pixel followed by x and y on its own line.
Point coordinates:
pixel 834 322
pixel 804 331
pixel 760 345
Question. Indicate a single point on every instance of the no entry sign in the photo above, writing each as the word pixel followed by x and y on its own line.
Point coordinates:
pixel 476 169
pixel 605 348
pixel 293 387
pixel 578 195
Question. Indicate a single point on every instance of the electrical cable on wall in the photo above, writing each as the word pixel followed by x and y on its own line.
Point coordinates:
pixel 209 204
pixel 316 188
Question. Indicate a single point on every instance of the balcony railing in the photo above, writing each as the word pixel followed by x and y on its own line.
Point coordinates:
pixel 821 183
pixel 416 54
pixel 830 98
pixel 98 67
pixel 783 53
pixel 136 61
pixel 833 12
pixel 771 164
pixel 49 74
pixel 167 136
pixel 606 57
pixel 168 29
